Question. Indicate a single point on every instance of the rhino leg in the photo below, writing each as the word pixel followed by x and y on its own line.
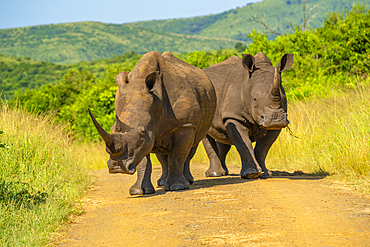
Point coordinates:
pixel 187 173
pixel 163 160
pixel 261 149
pixel 223 149
pixel 215 166
pixel 143 184
pixel 183 140
pixel 239 136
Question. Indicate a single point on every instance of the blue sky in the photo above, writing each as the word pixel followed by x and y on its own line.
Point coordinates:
pixel 23 13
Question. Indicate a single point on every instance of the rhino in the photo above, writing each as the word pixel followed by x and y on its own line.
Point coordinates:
pixel 163 106
pixel 251 107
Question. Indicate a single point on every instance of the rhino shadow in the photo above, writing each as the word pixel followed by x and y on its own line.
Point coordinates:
pixel 235 179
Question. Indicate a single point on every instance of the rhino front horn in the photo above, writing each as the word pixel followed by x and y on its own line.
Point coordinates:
pixel 106 136
pixel 275 88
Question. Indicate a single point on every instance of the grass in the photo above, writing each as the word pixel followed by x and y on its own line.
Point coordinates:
pixel 330 136
pixel 41 177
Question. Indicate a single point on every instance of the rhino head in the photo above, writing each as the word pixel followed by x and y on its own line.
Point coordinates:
pixel 133 134
pixel 267 97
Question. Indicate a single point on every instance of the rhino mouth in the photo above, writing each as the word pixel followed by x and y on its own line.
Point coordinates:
pixel 120 166
pixel 274 121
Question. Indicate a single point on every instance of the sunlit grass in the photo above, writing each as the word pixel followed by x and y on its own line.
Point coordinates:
pixel 329 136
pixel 41 177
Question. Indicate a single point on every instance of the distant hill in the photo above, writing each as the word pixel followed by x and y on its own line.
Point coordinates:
pixel 87 41
pixel 237 23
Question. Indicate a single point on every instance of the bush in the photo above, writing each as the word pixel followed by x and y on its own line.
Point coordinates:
pixel 326 58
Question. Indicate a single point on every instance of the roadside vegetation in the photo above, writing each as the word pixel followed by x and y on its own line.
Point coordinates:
pixel 42 177
pixel 328 136
pixel 48 142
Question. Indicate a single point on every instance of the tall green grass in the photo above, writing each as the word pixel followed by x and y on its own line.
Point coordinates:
pixel 41 177
pixel 328 136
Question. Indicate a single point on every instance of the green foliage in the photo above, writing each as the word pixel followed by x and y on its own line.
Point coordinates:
pixel 22 73
pixel 325 58
pixel 99 98
pixel 203 59
pixel 70 99
pixel 240 47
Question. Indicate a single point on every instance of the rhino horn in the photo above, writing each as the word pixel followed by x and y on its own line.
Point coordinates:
pixel 275 88
pixel 106 136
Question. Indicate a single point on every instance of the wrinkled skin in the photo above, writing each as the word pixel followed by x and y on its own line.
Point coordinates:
pixel 163 106
pixel 251 107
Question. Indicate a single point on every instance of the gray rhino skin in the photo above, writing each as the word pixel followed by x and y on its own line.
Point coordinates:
pixel 163 106
pixel 251 107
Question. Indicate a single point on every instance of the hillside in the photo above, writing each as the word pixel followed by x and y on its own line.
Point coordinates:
pixel 17 73
pixel 22 73
pixel 87 41
pixel 237 23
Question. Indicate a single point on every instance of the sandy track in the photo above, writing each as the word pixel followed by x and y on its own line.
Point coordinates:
pixel 226 211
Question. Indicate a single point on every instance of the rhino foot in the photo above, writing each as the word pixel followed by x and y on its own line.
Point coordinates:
pixel 250 173
pixel 190 179
pixel 176 184
pixel 149 190
pixel 138 191
pixel 266 174
pixel 218 173
pixel 161 181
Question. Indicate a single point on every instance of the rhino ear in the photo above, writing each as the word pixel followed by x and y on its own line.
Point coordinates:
pixel 122 78
pixel 248 62
pixel 286 62
pixel 152 81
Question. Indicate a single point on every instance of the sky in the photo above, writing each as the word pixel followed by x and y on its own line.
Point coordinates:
pixel 24 13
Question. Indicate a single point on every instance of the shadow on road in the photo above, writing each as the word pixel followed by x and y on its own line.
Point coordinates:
pixel 236 179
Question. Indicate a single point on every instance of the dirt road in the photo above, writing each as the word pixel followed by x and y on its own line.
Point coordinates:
pixel 226 211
